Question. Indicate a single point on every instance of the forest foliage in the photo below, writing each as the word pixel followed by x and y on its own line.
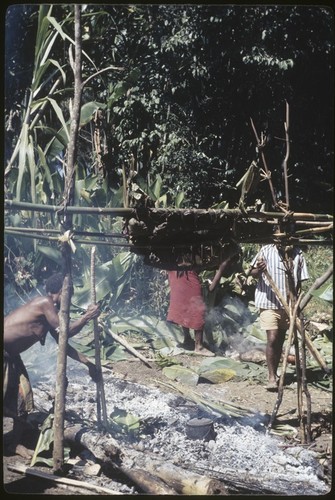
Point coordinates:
pixel 168 94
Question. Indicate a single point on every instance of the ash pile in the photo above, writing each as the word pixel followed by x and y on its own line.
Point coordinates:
pixel 155 424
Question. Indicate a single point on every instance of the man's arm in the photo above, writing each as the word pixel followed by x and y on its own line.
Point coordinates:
pixel 51 315
pixel 221 270
pixel 77 356
pixel 91 313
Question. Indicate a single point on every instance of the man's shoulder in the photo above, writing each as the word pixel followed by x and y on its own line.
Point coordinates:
pixel 41 301
pixel 271 247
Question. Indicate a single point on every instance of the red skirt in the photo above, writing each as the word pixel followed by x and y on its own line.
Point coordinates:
pixel 187 307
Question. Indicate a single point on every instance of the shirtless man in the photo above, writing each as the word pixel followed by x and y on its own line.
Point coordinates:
pixel 23 327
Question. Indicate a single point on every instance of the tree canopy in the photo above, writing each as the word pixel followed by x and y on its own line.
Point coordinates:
pixel 190 79
pixel 169 97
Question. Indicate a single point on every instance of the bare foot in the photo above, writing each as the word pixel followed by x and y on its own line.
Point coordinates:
pixel 22 451
pixel 272 386
pixel 203 351
pixel 188 345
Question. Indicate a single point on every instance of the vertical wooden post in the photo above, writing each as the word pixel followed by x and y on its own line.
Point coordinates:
pixel 100 394
pixel 287 140
pixel 60 393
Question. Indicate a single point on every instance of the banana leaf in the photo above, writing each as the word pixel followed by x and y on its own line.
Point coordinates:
pixel 159 332
pixel 325 292
pixel 110 278
pixel 125 422
pixel 181 374
pixel 51 253
pixel 218 376
pixel 44 443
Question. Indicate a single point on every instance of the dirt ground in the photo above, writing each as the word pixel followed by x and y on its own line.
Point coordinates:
pixel 246 393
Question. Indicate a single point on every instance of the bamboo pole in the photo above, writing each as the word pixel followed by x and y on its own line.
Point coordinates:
pixel 100 393
pixel 60 389
pixel 249 239
pixel 128 212
pixel 288 262
pixel 306 420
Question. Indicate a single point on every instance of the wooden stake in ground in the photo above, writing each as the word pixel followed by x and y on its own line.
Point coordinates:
pixel 289 341
pixel 309 343
pixel 292 311
pixel 58 450
pixel 101 402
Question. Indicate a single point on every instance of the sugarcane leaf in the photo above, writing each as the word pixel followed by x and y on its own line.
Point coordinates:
pixel 22 159
pixel 60 116
pixel 179 199
pixel 284 430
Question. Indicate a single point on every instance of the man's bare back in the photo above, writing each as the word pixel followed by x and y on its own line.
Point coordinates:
pixel 25 326
pixel 29 323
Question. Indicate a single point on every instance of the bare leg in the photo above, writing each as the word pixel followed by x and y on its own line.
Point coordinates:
pixel 16 447
pixel 188 342
pixel 274 346
pixel 199 348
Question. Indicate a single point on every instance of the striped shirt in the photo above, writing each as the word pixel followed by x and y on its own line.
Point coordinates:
pixel 265 298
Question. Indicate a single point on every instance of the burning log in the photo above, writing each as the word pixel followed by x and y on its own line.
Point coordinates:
pixel 153 475
pixel 103 447
pixel 148 482
pixel 183 481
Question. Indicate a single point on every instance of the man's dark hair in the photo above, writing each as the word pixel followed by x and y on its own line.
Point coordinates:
pixel 54 283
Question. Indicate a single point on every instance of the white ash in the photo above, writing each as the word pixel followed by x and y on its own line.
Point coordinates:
pixel 236 447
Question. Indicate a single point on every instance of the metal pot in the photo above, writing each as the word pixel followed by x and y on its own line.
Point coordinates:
pixel 200 428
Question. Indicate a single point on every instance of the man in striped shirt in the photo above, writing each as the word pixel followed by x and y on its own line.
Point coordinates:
pixel 273 317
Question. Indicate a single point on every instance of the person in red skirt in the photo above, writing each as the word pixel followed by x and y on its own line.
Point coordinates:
pixel 187 308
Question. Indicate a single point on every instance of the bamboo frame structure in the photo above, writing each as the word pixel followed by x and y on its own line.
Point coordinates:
pixel 162 236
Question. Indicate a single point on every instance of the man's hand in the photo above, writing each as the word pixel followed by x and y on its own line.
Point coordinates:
pixel 259 268
pixel 261 265
pixel 94 373
pixel 92 312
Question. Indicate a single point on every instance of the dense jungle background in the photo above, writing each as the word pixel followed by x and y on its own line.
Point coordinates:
pixel 179 106
pixel 168 95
